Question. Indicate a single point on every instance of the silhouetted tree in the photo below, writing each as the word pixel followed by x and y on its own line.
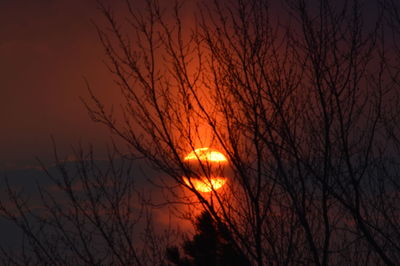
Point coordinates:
pixel 303 99
pixel 90 213
pixel 211 245
pixel 300 97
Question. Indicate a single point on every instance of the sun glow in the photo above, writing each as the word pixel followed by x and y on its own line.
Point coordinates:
pixel 215 162
pixel 205 184
pixel 205 154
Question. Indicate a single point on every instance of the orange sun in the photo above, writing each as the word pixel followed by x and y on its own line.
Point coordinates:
pixel 210 163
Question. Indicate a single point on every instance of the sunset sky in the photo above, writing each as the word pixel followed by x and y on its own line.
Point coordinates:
pixel 277 119
pixel 47 48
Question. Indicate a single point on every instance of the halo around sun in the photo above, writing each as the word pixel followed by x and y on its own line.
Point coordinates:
pixel 209 165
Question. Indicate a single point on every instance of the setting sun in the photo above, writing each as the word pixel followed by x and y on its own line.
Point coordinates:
pixel 206 154
pixel 211 161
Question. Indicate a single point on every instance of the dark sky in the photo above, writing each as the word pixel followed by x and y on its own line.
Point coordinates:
pixel 46 48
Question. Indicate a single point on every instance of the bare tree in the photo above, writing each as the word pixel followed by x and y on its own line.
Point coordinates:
pixel 298 97
pixel 91 214
pixel 303 100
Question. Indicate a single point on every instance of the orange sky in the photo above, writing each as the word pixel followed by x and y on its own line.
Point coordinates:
pixel 47 47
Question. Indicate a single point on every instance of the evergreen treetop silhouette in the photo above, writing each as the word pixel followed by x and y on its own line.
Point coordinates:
pixel 211 245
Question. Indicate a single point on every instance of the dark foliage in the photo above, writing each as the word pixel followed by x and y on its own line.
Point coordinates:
pixel 211 245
